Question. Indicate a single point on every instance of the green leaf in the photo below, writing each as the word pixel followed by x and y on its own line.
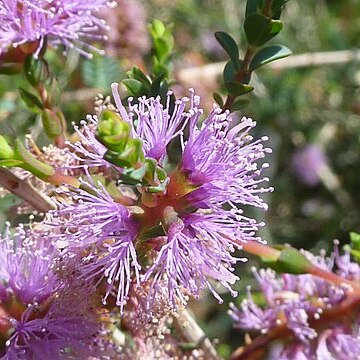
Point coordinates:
pixel 251 7
pixel 240 104
pixel 236 89
pixel 228 44
pixel 112 131
pixel 156 85
pixel 218 99
pixel 259 29
pixel 36 70
pixel 230 70
pixel 157 28
pixel 6 152
pixel 31 100
pixel 137 74
pixel 291 261
pixel 10 163
pixel 30 163
pixel 158 189
pixel 135 87
pixel 268 54
pixel 53 123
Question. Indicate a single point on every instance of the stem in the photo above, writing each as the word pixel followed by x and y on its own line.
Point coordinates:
pixel 330 276
pixel 59 179
pixel 267 8
pixel 258 249
pixel 24 190
pixel 192 333
pixel 242 76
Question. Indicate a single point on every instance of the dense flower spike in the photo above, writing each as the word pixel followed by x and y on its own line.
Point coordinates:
pixel 41 316
pixel 102 228
pixel 66 22
pixel 300 303
pixel 222 160
pixel 188 226
pixel 26 271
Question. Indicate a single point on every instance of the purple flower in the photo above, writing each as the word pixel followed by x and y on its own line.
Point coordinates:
pixel 222 162
pixel 26 271
pixel 298 302
pixel 104 230
pixel 90 149
pixel 44 315
pixel 308 163
pixel 68 22
pixel 192 255
pixel 153 124
pixel 197 220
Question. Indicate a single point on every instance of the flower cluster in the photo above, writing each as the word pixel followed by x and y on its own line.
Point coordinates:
pixel 309 310
pixel 40 312
pixel 66 22
pixel 149 219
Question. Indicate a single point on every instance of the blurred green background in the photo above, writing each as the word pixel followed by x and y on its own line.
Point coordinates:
pixel 297 106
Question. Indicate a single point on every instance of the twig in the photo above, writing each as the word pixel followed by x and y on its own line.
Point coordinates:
pixel 192 333
pixel 210 72
pixel 24 190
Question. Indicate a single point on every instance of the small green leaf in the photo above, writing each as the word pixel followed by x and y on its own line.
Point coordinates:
pixel 291 261
pixel 6 152
pixel 230 70
pixel 157 28
pixel 259 29
pixel 31 100
pixel 36 70
pixel 251 7
pixel 10 163
pixel 135 87
pixel 229 44
pixel 158 189
pixel 240 104
pixel 236 89
pixel 30 163
pixel 53 123
pixel 137 74
pixel 112 131
pixel 156 84
pixel 218 99
pixel 268 54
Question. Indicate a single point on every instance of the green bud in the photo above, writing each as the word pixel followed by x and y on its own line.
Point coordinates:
pixel 112 131
pixel 54 123
pixel 6 152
